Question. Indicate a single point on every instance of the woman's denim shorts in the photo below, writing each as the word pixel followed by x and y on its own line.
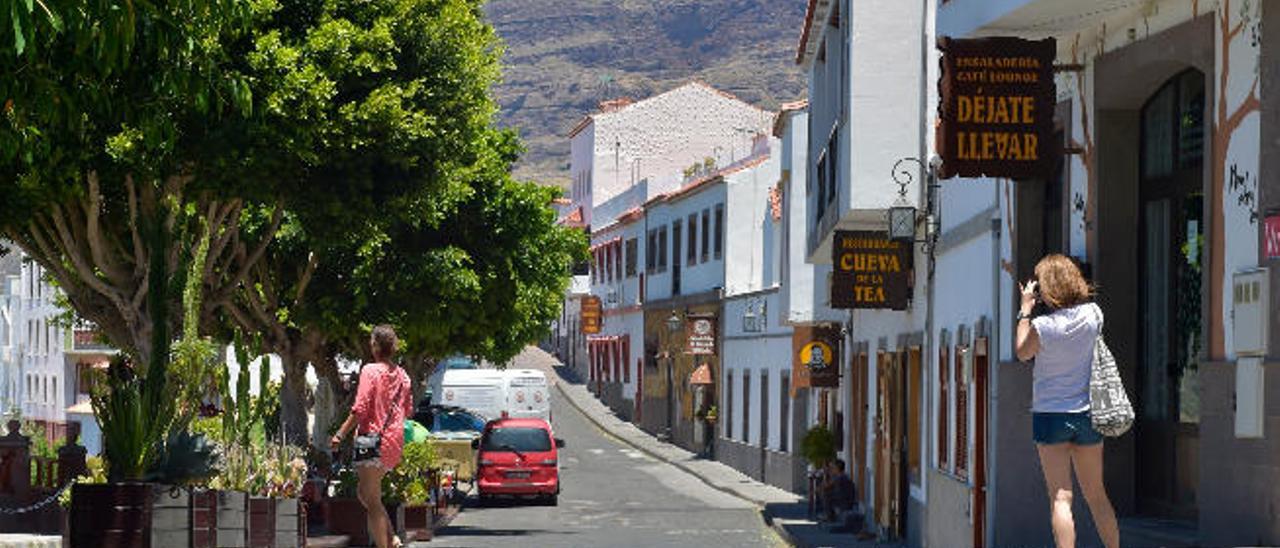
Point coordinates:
pixel 1053 428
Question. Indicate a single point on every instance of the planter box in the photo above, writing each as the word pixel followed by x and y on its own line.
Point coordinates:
pixel 345 516
pixel 170 516
pixel 262 522
pixel 111 515
pixel 204 518
pixel 418 523
pixel 232 519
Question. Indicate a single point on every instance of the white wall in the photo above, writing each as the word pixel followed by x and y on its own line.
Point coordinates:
pixel 767 351
pixel 804 295
pixel 747 216
pixel 664 134
pixel 704 276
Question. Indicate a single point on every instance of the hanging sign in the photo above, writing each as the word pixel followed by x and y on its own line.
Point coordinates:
pixel 1271 237
pixel 815 363
pixel 700 335
pixel 871 271
pixel 591 314
pixel 996 103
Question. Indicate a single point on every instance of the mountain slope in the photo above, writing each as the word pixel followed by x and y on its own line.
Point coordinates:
pixel 565 56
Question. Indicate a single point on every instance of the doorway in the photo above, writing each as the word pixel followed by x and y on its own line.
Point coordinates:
pixel 890 431
pixel 1171 167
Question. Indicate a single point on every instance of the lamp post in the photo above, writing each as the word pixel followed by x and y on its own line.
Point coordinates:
pixel 673 326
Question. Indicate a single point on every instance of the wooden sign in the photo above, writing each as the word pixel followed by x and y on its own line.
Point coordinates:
pixel 995 116
pixel 815 362
pixel 591 314
pixel 700 335
pixel 871 271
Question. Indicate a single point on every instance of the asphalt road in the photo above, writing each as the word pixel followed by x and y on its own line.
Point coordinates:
pixel 612 495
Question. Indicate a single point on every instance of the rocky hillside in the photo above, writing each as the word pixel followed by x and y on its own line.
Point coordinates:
pixel 565 56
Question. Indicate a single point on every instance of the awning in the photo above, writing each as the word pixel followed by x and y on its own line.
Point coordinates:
pixel 701 375
pixel 82 408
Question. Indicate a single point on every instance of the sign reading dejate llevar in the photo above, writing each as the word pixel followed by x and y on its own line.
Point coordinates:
pixel 871 271
pixel 996 107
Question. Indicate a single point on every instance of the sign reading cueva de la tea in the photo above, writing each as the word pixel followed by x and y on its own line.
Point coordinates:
pixel 871 271
pixel 996 107
pixel 591 314
pixel 814 359
pixel 700 335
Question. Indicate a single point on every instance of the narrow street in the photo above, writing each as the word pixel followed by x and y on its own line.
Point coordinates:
pixel 613 495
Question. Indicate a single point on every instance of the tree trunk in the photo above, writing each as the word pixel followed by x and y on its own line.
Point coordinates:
pixel 293 400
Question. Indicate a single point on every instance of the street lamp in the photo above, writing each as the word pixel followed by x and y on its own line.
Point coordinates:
pixel 902 216
pixel 673 326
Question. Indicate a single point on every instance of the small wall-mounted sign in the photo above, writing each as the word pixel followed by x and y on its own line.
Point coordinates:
pixel 1271 237
pixel 816 362
pixel 591 314
pixel 700 335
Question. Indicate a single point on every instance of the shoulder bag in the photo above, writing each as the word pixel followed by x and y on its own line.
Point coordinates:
pixel 1109 407
pixel 369 446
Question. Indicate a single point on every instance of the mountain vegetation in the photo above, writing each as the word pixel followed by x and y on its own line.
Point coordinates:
pixel 565 56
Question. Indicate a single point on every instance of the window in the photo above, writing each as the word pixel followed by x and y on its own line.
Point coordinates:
pixel 728 405
pixel 764 408
pixel 784 420
pixel 914 415
pixel 617 259
pixel 706 234
pixel 662 249
pixel 693 239
pixel 632 252
pixel 944 402
pixel 626 361
pixel 719 230
pixel 607 253
pixel 961 413
pixel 522 439
pixel 746 406
pixel 650 250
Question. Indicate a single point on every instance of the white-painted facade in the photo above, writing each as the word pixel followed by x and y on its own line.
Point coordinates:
pixel 804 296
pixel 656 139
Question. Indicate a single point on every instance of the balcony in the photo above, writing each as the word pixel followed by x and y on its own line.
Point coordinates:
pixel 87 340
pixel 1027 18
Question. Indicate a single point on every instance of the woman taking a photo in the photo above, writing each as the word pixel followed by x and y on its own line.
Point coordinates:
pixel 1061 341
pixel 382 402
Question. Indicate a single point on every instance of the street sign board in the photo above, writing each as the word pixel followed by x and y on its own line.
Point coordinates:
pixel 700 335
pixel 591 314
pixel 1271 237
pixel 871 271
pixel 995 112
pixel 815 361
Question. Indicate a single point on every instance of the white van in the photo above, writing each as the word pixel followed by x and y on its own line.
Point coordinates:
pixel 528 396
pixel 481 391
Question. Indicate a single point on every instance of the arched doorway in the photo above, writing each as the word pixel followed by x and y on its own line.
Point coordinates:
pixel 1170 250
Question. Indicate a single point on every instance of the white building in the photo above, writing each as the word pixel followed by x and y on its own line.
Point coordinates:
pixel 870 65
pixel 657 139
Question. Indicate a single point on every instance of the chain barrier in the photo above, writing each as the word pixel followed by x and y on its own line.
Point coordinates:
pixel 37 505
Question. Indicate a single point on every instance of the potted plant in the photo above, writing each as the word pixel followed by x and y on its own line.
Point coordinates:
pixel 711 414
pixel 818 446
pixel 411 481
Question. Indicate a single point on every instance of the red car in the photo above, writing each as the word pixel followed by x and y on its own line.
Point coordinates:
pixel 518 457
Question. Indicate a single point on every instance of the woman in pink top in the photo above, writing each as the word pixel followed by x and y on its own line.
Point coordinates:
pixel 382 402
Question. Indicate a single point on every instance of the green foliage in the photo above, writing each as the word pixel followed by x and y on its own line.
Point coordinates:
pixel 40 446
pixel 188 459
pixel 97 474
pixel 818 446
pixel 133 425
pixel 410 481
